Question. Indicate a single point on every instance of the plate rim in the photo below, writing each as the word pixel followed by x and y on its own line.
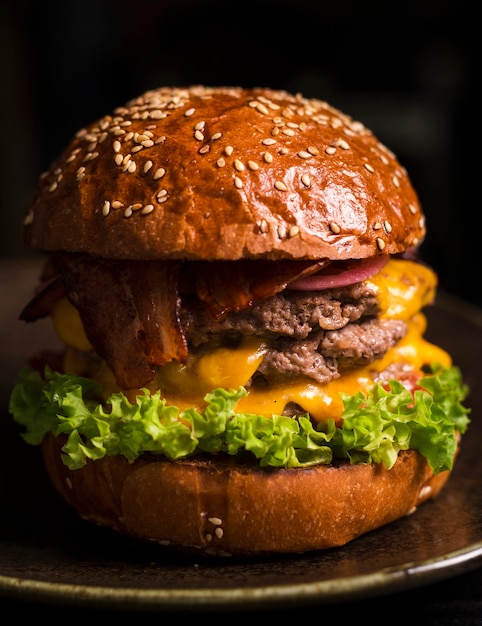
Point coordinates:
pixel 389 579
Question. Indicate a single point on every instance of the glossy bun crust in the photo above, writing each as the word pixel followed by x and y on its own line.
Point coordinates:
pixel 225 173
pixel 221 506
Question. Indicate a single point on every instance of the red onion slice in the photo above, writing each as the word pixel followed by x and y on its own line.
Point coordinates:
pixel 356 271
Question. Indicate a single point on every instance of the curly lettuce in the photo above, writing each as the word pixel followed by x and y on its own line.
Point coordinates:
pixel 376 426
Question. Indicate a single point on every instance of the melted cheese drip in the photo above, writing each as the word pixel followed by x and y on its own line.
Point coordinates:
pixel 324 401
pixel 403 287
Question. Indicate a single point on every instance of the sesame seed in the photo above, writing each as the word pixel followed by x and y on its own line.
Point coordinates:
pixel 53 186
pixel 261 108
pixel 217 521
pixel 189 112
pixel 128 212
pixel 304 155
pixel 228 150
pixel 395 181
pixel 305 179
pixel 216 136
pixel 106 208
pixel 388 226
pixel 263 227
pixel 198 135
pixel 282 231
pixel 380 243
pixel 131 168
pixel 220 162
pixel 268 157
pixel 147 166
pixel 377 226
pixel 118 159
pixel 200 125
pixel 368 167
pixel 268 141
pixel 116 145
pixel 238 183
pixel 330 150
pixel 159 173
pixel 313 150
pixel 280 186
pixel 341 143
pixel 412 209
pixel 147 209
pixel 90 156
pixel 205 149
pixel 335 229
pixel 117 205
pixel 219 532
pixel 294 230
pixel 253 165
pixel 238 165
pixel 289 132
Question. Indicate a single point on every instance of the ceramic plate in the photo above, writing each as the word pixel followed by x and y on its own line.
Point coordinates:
pixel 47 553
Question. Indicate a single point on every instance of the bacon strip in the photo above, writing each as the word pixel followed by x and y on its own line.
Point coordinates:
pixel 130 312
pixel 226 286
pixel 44 299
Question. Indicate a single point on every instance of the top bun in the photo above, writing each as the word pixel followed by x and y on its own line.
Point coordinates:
pixel 225 173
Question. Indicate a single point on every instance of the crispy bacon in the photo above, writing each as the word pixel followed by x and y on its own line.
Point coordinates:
pixel 226 286
pixel 44 299
pixel 130 312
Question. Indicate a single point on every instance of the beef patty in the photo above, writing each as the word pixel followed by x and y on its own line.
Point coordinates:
pixel 312 334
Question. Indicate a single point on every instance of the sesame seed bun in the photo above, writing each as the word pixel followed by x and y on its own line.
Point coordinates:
pixel 224 507
pixel 225 173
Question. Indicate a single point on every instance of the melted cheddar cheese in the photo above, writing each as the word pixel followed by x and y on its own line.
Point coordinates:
pixel 403 289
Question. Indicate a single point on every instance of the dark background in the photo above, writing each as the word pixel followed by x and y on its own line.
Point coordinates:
pixel 408 70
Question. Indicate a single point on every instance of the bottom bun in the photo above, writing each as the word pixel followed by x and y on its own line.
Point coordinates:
pixel 219 505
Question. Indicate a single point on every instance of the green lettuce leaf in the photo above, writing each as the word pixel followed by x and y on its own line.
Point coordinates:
pixel 376 426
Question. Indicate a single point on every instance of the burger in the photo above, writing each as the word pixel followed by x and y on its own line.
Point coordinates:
pixel 235 278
